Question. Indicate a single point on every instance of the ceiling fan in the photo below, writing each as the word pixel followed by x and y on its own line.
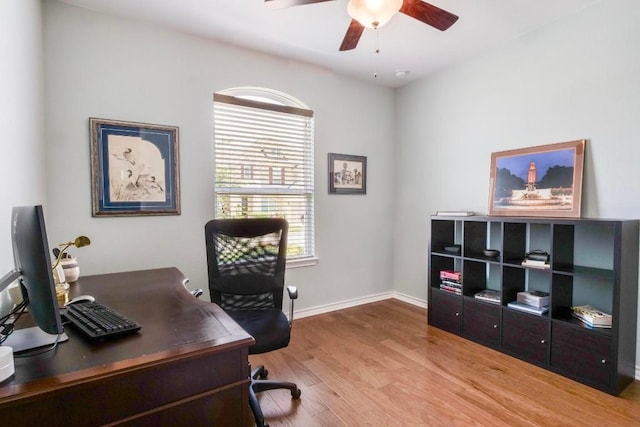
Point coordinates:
pixel 376 13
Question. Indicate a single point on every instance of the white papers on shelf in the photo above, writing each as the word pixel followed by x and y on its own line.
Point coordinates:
pixel 455 213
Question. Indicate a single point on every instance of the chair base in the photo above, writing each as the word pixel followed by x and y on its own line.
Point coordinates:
pixel 258 384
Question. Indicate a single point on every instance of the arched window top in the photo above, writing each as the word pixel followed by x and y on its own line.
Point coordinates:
pixel 267 95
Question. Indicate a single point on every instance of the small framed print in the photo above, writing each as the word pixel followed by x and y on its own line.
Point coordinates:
pixel 347 174
pixel 134 168
pixel 544 181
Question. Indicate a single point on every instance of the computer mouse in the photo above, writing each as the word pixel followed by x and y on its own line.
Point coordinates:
pixel 81 298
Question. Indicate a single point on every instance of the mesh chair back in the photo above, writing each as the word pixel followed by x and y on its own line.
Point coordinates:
pixel 246 258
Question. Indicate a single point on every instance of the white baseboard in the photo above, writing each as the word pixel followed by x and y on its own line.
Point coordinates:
pixel 327 308
pixel 307 312
pixel 410 300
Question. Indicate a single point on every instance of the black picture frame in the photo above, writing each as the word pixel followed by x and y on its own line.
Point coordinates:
pixel 347 174
pixel 134 168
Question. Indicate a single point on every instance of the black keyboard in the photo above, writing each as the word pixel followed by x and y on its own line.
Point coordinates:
pixel 97 321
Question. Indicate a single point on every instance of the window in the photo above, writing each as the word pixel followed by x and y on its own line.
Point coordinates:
pixel 247 171
pixel 276 175
pixel 264 161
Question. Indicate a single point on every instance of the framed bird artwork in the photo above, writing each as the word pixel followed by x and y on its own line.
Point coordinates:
pixel 134 168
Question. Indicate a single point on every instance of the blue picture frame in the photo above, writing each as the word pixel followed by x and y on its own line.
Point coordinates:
pixel 134 168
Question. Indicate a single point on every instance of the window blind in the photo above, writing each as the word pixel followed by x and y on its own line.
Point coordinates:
pixel 264 165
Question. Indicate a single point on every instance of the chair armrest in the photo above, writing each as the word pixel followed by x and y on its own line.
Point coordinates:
pixel 196 292
pixel 293 295
pixel 293 292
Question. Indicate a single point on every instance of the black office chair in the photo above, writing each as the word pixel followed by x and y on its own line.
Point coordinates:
pixel 246 258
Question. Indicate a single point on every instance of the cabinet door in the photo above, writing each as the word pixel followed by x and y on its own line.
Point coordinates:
pixel 445 311
pixel 582 354
pixel 526 336
pixel 481 322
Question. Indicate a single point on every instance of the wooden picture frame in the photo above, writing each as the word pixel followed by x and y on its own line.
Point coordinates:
pixel 347 174
pixel 134 168
pixel 544 181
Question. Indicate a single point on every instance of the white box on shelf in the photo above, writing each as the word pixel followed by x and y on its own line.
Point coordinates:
pixel 534 298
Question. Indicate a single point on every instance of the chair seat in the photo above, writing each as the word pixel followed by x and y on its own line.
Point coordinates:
pixel 270 328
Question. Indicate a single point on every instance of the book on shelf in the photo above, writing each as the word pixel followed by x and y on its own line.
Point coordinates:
pixel 488 295
pixel 451 275
pixel 590 325
pixel 534 298
pixel 592 316
pixel 450 289
pixel 451 283
pixel 516 305
pixel 535 264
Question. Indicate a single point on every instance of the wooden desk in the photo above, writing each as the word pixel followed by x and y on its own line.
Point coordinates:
pixel 188 365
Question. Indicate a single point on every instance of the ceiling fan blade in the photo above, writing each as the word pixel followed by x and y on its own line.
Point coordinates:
pixel 352 37
pixel 280 4
pixel 429 14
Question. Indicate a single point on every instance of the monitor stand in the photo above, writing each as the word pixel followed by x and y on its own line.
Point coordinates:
pixel 29 338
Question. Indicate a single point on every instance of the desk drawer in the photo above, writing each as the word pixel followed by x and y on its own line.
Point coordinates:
pixel 128 393
pixel 223 407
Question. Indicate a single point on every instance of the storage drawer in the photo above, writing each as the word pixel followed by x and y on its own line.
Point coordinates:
pixel 445 311
pixel 526 336
pixel 582 354
pixel 481 322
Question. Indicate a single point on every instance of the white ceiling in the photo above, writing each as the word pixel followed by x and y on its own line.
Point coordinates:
pixel 313 33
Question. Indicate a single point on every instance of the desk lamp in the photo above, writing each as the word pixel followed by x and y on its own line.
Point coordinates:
pixel 62 288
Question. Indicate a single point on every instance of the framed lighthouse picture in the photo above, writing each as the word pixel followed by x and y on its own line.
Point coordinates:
pixel 134 168
pixel 543 181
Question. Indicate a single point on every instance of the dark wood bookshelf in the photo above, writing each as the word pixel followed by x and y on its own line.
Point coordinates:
pixel 592 261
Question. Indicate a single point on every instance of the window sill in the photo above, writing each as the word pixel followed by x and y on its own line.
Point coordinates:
pixel 302 262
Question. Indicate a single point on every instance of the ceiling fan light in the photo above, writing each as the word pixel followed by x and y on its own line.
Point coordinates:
pixel 373 13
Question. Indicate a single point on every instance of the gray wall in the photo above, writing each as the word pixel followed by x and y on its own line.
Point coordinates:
pixel 107 67
pixel 21 117
pixel 575 79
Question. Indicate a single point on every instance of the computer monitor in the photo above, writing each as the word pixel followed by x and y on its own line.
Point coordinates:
pixel 33 263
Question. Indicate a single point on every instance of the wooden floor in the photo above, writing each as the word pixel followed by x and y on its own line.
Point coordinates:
pixel 380 364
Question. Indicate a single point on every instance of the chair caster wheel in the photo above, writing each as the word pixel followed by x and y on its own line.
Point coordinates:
pixel 295 394
pixel 264 374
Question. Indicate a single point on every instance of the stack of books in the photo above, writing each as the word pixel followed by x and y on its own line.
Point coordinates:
pixel 533 302
pixel 451 281
pixel 488 295
pixel 591 317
